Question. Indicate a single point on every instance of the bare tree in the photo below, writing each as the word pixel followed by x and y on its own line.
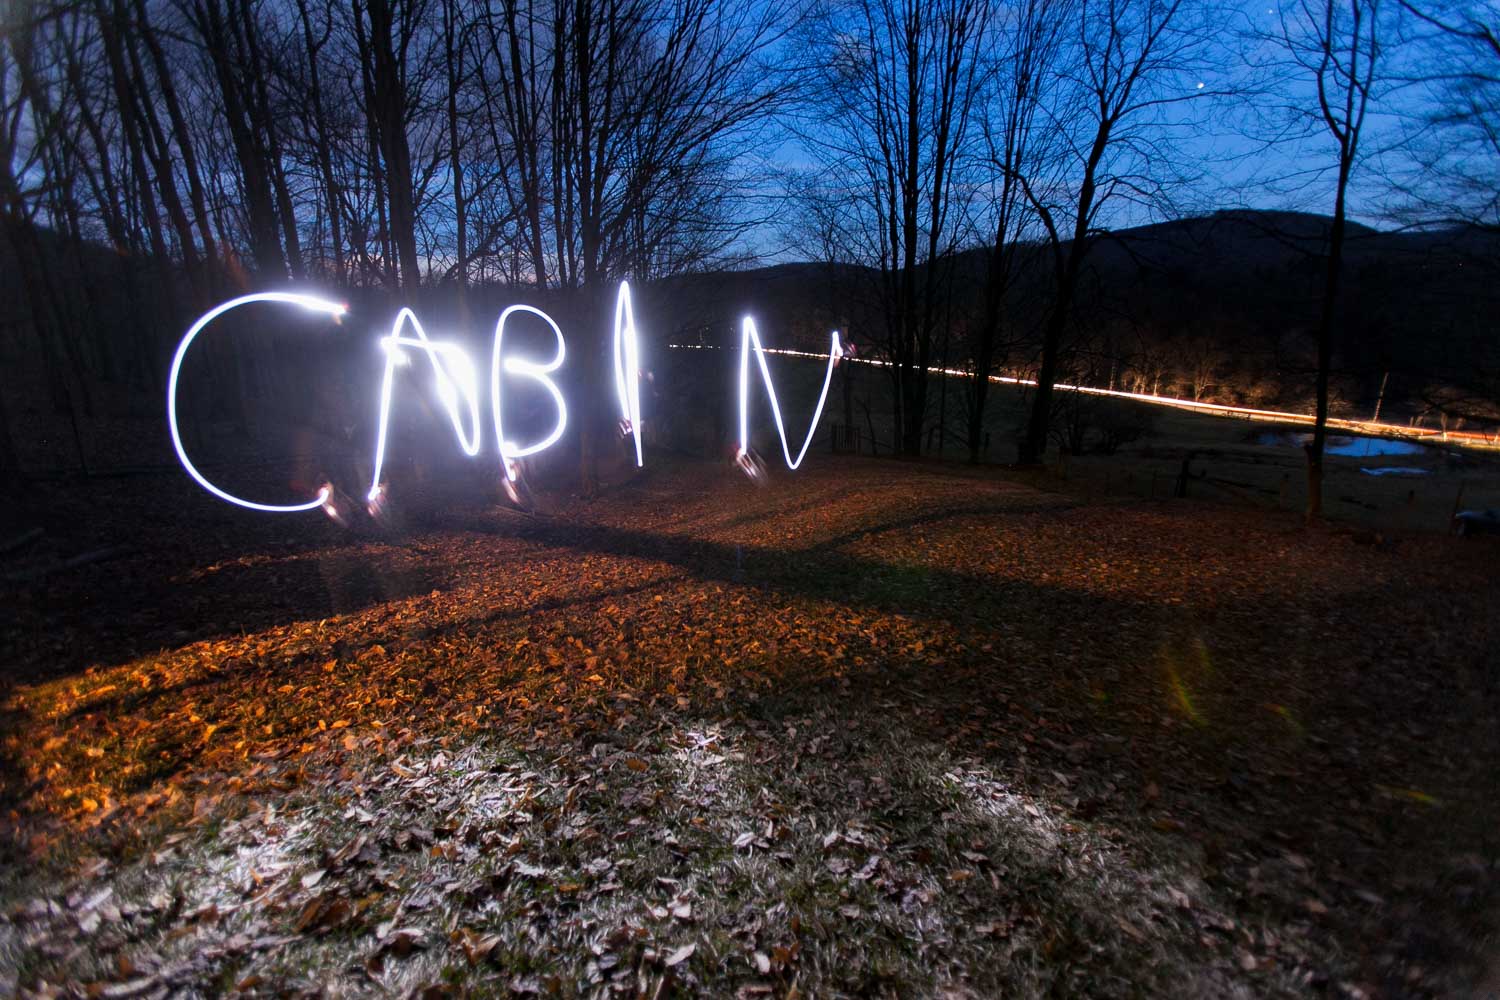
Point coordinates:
pixel 230 35
pixel 649 101
pixel 1026 45
pixel 387 142
pixel 311 100
pixel 1129 69
pixel 385 31
pixel 1201 361
pixel 890 105
pixel 22 187
pixel 1337 46
pixel 1451 168
pixel 1446 175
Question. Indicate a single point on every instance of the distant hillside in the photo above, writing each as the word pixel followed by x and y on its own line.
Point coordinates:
pixel 1238 287
pixel 1217 306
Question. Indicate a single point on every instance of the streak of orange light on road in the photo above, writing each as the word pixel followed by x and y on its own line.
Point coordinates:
pixel 1471 439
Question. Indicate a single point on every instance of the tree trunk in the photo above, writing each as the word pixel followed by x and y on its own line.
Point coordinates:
pixel 388 110
pixel 10 465
pixel 324 143
pixel 848 385
pixel 591 130
pixel 1331 276
pixel 1034 445
pixel 183 138
pixel 263 124
pixel 226 49
pixel 454 65
pixel 43 303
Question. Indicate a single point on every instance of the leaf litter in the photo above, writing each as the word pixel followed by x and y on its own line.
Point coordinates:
pixel 876 731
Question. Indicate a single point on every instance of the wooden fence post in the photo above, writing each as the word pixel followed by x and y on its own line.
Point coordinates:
pixel 1181 491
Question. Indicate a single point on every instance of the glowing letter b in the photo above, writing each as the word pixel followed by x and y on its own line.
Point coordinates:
pixel 526 369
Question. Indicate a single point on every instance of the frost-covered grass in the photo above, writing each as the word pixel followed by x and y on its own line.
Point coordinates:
pixel 873 730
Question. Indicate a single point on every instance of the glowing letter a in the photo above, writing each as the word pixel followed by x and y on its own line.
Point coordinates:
pixel 749 337
pixel 463 370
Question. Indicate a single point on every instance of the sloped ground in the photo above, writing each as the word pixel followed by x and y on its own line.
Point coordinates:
pixel 874 730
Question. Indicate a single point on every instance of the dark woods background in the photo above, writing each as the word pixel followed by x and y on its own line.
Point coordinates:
pixel 161 157
pixel 1032 188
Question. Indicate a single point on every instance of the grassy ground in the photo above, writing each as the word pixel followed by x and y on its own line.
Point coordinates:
pixel 1242 463
pixel 692 404
pixel 1233 460
pixel 876 729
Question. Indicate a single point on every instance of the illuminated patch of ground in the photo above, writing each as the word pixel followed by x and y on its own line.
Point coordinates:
pixel 874 730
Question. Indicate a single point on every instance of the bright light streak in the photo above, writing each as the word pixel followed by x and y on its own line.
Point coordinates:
pixel 750 337
pixel 463 369
pixel 1473 439
pixel 509 450
pixel 308 302
pixel 375 503
pixel 331 505
pixel 627 354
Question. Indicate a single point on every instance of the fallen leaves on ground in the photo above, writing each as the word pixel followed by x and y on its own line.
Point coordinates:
pixel 874 730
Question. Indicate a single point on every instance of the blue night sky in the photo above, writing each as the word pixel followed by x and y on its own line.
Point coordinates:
pixel 1225 154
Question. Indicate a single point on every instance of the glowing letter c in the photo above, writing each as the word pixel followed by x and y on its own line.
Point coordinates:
pixel 306 302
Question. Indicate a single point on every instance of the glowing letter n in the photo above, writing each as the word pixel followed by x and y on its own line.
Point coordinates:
pixel 749 338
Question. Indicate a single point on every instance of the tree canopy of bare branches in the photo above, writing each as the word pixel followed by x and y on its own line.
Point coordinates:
pixel 889 117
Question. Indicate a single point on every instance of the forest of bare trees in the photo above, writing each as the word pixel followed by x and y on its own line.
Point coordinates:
pixel 964 157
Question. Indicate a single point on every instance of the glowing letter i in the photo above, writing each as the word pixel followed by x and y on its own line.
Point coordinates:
pixel 627 352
